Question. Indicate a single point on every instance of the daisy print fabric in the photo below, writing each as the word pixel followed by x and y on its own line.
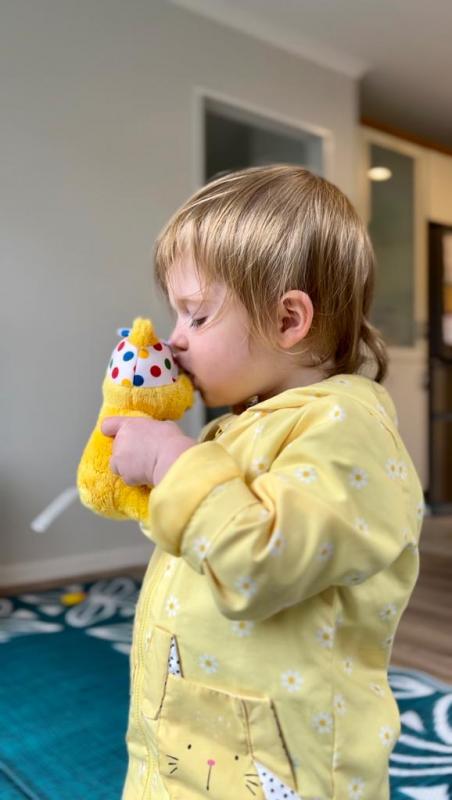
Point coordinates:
pixel 296 534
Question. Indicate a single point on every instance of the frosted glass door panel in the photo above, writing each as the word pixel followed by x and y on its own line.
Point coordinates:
pixel 392 232
pixel 235 139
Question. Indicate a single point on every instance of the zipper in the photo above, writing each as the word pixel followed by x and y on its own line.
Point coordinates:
pixel 154 576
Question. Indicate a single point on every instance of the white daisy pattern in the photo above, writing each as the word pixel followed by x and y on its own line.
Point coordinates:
pixel 340 704
pixel 277 543
pixel 291 680
pixel 387 642
pixel 348 665
pixel 420 510
pixel 358 478
pixel 354 578
pixel 218 489
pixel 325 636
pixel 296 762
pixel 260 465
pixel 323 722
pixel 200 547
pixel 337 413
pixel 325 552
pixel 306 474
pixel 356 789
pixel 392 469
pixel 242 627
pixel 246 586
pixel 169 568
pixel 361 526
pixel 388 612
pixel 208 663
pixel 172 606
pixel 377 689
pixel 387 735
pixel 402 470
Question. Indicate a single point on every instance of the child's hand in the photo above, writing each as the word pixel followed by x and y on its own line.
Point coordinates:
pixel 144 448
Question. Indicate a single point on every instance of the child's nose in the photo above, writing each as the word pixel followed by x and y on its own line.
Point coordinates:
pixel 177 340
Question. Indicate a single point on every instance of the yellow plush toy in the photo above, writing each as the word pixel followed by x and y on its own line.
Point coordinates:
pixel 141 380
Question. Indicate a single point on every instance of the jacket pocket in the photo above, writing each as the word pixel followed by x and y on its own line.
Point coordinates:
pixel 157 656
pixel 214 742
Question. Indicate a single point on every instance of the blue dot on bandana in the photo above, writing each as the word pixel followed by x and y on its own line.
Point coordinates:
pixel 127 356
pixel 124 331
pixel 138 380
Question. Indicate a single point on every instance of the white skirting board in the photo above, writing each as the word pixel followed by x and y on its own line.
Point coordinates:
pixel 67 567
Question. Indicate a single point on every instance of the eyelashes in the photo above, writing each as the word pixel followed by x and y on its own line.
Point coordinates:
pixel 196 323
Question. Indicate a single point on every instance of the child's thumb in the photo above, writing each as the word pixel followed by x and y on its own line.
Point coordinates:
pixel 111 425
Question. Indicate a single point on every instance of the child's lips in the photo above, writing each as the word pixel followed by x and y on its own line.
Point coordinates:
pixel 184 369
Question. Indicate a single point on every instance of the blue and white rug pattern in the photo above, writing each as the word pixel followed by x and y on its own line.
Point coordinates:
pixel 421 763
pixel 32 613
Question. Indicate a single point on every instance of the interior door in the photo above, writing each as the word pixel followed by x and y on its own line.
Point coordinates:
pixel 393 208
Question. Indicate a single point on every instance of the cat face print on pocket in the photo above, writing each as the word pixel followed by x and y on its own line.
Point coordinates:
pixel 205 746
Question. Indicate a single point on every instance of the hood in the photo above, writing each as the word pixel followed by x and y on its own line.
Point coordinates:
pixel 357 387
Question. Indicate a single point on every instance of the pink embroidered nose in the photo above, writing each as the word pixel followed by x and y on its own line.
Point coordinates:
pixel 211 762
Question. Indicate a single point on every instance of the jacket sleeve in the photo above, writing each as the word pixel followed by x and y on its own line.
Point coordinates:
pixel 333 509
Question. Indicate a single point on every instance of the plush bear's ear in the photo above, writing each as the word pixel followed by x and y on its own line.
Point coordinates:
pixel 123 332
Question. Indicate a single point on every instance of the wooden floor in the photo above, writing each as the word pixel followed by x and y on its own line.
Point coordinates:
pixel 424 637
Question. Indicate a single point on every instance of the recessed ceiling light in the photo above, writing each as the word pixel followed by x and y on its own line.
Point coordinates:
pixel 379 174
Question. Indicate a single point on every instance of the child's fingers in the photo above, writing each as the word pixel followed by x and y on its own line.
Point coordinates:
pixel 111 425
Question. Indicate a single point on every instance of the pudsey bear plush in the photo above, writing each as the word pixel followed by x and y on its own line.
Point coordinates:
pixel 142 379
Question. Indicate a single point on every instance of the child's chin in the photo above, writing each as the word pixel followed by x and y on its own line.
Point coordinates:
pixel 212 402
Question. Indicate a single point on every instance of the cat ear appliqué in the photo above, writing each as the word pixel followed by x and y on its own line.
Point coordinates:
pixel 272 787
pixel 174 667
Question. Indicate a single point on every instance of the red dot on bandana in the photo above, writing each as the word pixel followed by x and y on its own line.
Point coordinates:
pixel 115 372
pixel 158 346
pixel 156 372
pixel 120 345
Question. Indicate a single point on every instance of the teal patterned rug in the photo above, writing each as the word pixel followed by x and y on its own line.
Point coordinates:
pixel 64 693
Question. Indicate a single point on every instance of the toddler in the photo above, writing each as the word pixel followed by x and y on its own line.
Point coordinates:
pixel 287 535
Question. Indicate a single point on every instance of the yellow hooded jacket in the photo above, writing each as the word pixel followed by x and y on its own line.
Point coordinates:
pixel 287 550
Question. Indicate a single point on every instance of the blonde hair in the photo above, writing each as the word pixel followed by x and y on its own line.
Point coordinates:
pixel 264 231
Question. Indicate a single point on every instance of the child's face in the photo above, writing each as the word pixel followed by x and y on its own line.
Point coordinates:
pixel 225 366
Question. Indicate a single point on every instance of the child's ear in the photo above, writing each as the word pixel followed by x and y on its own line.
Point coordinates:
pixel 295 315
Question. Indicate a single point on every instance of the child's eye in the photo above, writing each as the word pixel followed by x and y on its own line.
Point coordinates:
pixel 196 323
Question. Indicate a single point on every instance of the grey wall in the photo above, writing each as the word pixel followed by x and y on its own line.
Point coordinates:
pixel 97 149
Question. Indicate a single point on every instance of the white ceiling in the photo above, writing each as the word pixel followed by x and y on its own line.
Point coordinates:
pixel 401 50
